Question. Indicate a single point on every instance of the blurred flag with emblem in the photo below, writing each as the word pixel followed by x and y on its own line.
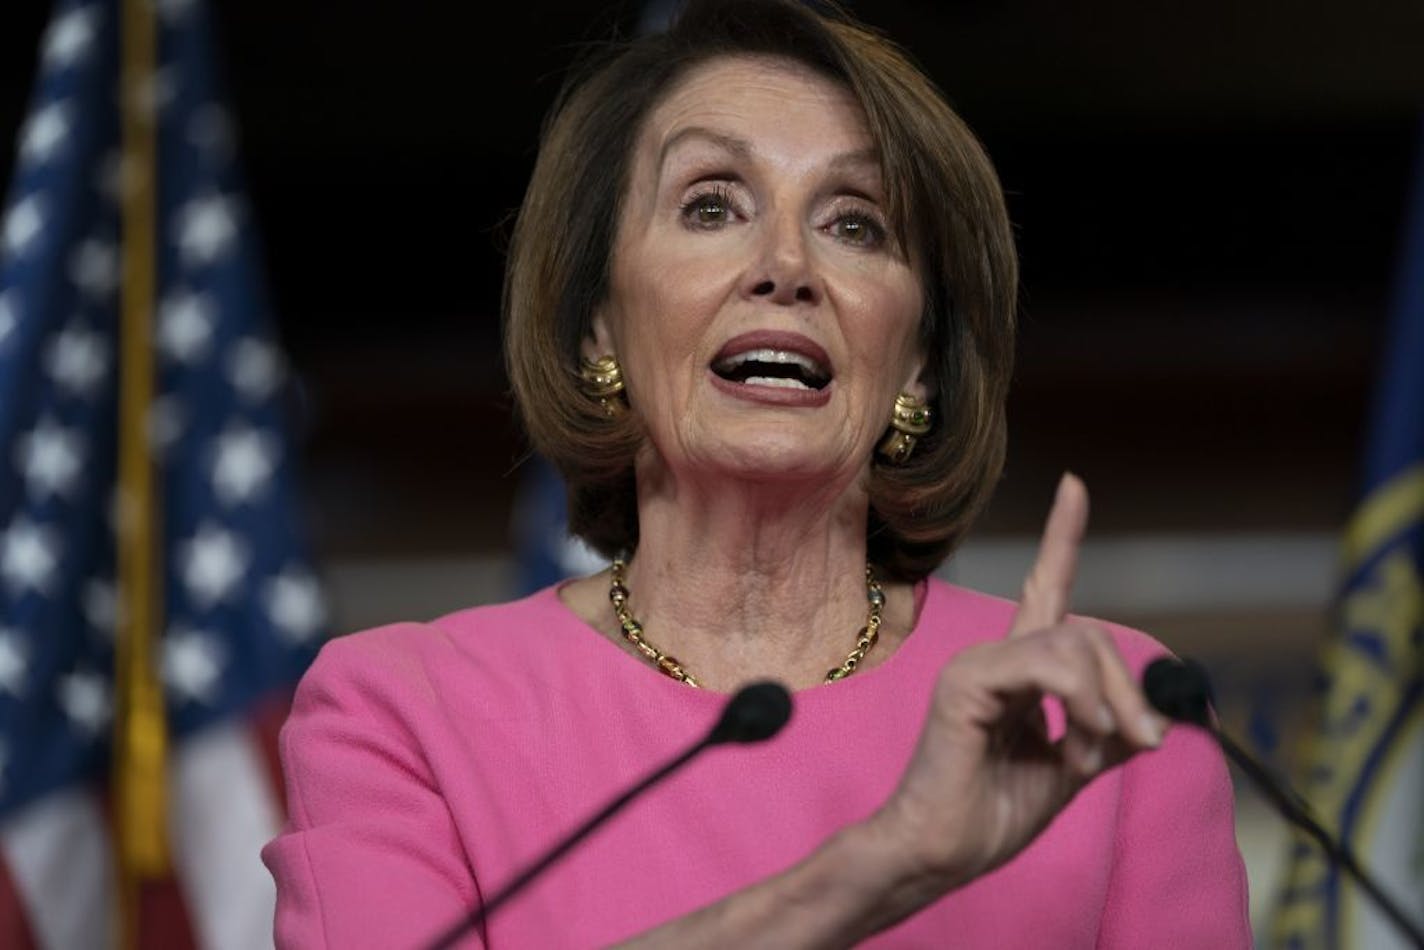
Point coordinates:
pixel 1364 767
pixel 153 586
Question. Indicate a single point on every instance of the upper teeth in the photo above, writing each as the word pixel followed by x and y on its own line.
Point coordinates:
pixel 772 356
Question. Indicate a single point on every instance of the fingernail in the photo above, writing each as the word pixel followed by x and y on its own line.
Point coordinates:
pixel 1107 722
pixel 1152 729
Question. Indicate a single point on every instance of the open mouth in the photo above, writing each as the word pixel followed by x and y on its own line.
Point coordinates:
pixel 785 369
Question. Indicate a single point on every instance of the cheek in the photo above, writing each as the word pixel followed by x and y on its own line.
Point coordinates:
pixel 907 303
pixel 670 303
pixel 887 330
pixel 659 338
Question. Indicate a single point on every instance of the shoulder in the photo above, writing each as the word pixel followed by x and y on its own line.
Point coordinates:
pixel 405 659
pixel 401 694
pixel 962 617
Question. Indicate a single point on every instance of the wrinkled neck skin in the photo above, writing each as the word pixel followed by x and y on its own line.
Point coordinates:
pixel 743 580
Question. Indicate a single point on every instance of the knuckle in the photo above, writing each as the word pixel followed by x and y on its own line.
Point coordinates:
pixel 1065 647
pixel 1072 682
pixel 1081 640
pixel 963 663
pixel 1097 638
pixel 1077 671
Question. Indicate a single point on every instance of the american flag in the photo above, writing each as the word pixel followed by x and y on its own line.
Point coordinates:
pixel 243 611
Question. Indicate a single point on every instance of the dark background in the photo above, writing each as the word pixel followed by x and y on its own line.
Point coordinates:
pixel 1208 198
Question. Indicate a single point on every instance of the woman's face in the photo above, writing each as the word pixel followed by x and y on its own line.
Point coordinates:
pixel 760 308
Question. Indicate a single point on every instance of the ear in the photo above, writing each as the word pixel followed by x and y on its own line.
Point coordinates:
pixel 919 382
pixel 599 340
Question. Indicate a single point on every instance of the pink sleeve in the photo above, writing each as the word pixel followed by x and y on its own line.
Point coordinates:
pixel 1178 879
pixel 369 856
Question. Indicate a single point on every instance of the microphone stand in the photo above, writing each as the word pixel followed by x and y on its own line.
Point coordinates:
pixel 756 713
pixel 1295 810
pixel 477 915
pixel 1181 691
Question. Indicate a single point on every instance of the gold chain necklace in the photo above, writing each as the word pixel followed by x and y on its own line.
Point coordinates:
pixel 632 630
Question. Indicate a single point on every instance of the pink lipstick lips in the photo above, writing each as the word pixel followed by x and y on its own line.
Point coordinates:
pixel 775 367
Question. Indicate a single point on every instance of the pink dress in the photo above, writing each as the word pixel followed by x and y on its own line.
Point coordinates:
pixel 427 764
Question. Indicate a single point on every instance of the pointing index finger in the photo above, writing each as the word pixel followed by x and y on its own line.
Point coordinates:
pixel 1049 585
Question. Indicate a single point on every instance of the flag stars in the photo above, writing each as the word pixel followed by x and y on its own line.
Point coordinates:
pixel 84 697
pixel 254 368
pixel 29 555
pixel 166 421
pixel 9 314
pixel 70 37
pixel 206 229
pixel 23 223
pixel 45 132
pixel 212 563
pixel 100 604
pixel 77 360
pixel 94 268
pixel 193 662
pixel 14 662
pixel 50 458
pixel 295 605
pixel 186 321
pixel 244 462
pixel 210 130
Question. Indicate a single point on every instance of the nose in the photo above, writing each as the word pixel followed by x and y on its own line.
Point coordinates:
pixel 783 272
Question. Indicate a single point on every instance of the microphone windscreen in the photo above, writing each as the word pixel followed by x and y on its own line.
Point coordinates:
pixel 755 713
pixel 1178 689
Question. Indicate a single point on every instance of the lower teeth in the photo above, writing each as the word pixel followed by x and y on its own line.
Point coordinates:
pixel 781 381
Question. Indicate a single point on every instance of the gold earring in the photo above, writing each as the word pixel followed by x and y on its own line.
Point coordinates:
pixel 909 420
pixel 603 380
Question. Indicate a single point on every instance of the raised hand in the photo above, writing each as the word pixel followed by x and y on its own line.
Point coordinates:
pixel 986 777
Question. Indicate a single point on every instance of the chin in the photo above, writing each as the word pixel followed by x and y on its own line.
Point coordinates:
pixel 774 458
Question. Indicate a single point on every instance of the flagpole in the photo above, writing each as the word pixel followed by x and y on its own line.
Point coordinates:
pixel 140 739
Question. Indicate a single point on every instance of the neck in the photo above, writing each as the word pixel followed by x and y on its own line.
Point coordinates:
pixel 748 581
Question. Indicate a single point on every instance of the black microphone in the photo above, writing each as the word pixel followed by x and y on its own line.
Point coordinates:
pixel 755 713
pixel 1180 690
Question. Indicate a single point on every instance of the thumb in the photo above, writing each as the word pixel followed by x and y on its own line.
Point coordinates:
pixel 1049 584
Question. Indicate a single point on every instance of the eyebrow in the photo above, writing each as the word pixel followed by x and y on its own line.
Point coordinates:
pixel 864 156
pixel 741 148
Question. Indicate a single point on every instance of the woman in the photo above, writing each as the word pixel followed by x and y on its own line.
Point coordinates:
pixel 760 312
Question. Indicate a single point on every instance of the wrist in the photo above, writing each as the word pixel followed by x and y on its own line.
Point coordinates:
pixel 893 862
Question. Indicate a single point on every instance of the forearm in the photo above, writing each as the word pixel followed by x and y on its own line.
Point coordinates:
pixel 854 885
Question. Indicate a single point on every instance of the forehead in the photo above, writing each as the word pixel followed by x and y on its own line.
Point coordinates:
pixel 771 103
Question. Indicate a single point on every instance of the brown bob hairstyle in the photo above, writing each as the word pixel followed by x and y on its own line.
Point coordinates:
pixel 944 202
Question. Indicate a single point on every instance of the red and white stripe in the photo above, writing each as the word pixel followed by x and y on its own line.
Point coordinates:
pixel 56 859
